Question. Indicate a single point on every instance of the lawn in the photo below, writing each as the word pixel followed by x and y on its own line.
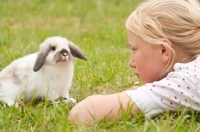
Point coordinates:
pixel 98 28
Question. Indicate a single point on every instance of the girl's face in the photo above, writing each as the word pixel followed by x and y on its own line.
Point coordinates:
pixel 146 59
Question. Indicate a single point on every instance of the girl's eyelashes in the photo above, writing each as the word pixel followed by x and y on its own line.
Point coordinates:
pixel 132 49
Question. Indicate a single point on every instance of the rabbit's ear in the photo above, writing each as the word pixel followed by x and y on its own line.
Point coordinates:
pixel 41 56
pixel 76 52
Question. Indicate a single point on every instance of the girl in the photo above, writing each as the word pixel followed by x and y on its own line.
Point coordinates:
pixel 164 36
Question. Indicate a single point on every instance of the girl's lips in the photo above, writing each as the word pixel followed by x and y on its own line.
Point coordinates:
pixel 137 75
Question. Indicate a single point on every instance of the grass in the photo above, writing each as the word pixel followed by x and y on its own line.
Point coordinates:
pixel 97 27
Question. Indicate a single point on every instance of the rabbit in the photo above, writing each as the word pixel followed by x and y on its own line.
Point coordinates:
pixel 47 74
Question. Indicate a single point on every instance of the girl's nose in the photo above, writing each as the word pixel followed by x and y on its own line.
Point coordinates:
pixel 131 63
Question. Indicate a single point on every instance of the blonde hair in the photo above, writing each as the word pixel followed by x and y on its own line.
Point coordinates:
pixel 176 20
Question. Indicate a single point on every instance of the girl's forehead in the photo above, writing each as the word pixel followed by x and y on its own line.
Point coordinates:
pixel 131 37
pixel 130 33
pixel 134 39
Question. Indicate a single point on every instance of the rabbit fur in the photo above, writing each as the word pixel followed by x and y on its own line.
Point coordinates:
pixel 47 74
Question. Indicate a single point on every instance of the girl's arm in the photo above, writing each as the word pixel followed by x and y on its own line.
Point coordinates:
pixel 106 107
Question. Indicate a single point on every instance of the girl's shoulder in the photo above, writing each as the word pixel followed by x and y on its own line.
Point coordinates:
pixel 190 69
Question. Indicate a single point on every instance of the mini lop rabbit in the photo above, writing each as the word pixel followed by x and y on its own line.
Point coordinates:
pixel 47 74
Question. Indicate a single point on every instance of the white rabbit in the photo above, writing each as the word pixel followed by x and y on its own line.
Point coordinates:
pixel 47 74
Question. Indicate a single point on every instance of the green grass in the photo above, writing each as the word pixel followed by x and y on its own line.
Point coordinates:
pixel 97 27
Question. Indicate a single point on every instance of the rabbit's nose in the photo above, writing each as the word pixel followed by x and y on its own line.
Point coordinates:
pixel 64 54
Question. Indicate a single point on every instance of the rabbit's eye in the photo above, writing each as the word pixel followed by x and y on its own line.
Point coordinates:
pixel 53 48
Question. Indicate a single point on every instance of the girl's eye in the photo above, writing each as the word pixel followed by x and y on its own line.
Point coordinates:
pixel 53 48
pixel 133 49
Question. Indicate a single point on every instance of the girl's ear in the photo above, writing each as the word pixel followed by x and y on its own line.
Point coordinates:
pixel 166 50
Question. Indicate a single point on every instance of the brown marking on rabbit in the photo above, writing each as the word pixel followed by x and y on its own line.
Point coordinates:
pixel 63 55
pixel 17 81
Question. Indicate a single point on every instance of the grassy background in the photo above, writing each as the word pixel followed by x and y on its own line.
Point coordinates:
pixel 97 27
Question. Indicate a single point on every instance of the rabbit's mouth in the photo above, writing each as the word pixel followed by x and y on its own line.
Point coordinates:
pixel 63 57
